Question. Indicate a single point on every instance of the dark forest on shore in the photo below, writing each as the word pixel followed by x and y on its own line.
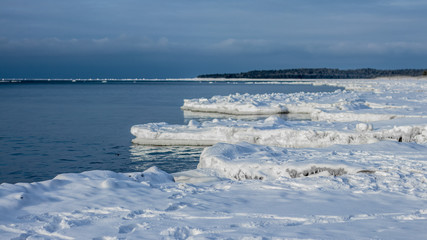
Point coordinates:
pixel 318 73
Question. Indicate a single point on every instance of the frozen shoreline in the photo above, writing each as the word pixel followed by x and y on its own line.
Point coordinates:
pixel 372 110
pixel 273 131
pixel 310 182
pixel 388 203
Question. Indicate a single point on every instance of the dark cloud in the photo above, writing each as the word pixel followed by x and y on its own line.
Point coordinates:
pixel 168 38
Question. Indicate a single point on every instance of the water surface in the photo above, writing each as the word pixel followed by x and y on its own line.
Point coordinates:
pixel 52 128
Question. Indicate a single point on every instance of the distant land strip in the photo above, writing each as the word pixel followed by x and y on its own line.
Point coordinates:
pixel 320 73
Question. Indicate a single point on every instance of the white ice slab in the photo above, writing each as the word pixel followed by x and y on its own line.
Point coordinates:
pixel 272 131
pixel 249 161
pixel 368 101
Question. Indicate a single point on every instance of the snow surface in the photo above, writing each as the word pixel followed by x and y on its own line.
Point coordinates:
pixel 370 100
pixel 274 131
pixel 367 181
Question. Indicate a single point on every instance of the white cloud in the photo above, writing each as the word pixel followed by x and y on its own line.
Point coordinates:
pixel 355 48
pixel 101 40
pixel 233 45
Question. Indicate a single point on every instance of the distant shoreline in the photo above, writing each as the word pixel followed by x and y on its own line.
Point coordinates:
pixel 319 73
pixel 169 80
pixel 187 80
pixel 284 75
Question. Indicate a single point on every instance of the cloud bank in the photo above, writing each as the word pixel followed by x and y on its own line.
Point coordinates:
pixel 187 38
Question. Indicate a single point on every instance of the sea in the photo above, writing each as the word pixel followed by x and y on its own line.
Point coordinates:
pixel 53 127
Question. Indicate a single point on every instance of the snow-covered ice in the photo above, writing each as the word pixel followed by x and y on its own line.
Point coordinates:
pixel 358 173
pixel 367 101
pixel 387 201
pixel 274 131
pixel 248 161
pixel 372 110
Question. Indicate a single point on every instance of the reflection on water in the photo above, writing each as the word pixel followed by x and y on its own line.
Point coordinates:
pixel 170 159
pixel 207 116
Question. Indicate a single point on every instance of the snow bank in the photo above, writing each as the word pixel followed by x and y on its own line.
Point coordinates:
pixel 248 161
pixel 368 101
pixel 378 85
pixel 416 134
pixel 17 196
pixel 265 104
pixel 272 131
pixel 237 104
pixel 395 166
pixel 389 203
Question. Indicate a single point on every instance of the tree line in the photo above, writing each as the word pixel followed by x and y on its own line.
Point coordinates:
pixel 318 73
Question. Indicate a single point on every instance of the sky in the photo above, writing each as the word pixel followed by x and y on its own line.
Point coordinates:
pixel 185 38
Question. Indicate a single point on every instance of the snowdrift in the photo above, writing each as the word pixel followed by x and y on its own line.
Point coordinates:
pixel 248 161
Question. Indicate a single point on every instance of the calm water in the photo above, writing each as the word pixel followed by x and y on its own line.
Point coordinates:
pixel 52 128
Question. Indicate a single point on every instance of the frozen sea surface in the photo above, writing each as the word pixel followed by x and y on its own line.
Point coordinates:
pixel 243 190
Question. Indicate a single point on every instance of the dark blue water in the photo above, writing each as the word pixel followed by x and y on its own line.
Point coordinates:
pixel 52 128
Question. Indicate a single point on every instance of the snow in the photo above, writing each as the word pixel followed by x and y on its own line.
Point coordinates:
pixel 354 173
pixel 247 161
pixel 274 131
pixel 374 100
pixel 372 111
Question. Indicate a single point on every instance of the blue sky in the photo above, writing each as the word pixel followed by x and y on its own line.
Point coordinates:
pixel 172 38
